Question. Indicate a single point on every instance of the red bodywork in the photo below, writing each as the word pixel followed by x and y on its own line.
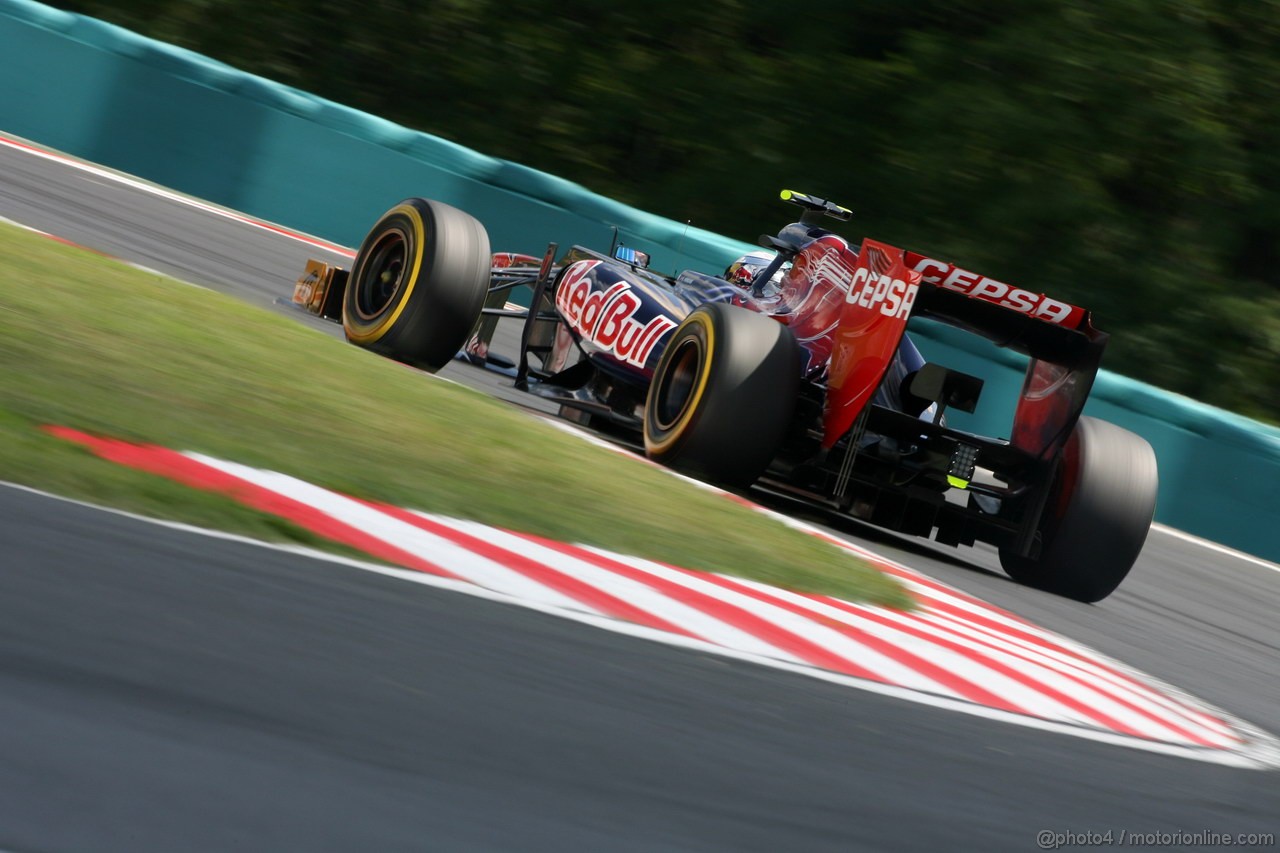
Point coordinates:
pixel 853 307
pixel 876 308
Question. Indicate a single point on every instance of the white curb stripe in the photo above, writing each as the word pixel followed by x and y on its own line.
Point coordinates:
pixel 862 655
pixel 641 595
pixel 1021 693
pixel 1154 702
pixel 1261 752
pixel 1038 673
pixel 419 542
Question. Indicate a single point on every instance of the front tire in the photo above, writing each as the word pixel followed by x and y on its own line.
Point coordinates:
pixel 1096 520
pixel 418 283
pixel 723 395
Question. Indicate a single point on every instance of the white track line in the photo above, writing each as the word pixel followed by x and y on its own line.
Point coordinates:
pixel 1106 707
pixel 170 195
pixel 1215 547
pixel 1262 754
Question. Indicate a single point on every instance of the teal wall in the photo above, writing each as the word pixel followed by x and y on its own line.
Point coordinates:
pixel 1219 472
pixel 184 121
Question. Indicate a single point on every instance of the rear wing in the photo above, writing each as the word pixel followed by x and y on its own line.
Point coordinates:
pixel 890 286
pixel 945 276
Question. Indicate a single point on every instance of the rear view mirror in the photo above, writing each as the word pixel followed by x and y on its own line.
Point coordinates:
pixel 632 256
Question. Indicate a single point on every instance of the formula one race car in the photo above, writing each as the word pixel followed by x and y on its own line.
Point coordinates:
pixel 793 368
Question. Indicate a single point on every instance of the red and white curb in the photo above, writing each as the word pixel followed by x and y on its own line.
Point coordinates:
pixel 952 650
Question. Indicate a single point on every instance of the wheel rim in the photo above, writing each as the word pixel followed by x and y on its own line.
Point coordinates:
pixel 675 390
pixel 382 275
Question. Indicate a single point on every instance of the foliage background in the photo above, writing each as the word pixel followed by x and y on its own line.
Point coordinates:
pixel 1121 155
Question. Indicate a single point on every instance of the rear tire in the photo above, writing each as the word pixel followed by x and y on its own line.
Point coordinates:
pixel 723 395
pixel 1096 520
pixel 418 283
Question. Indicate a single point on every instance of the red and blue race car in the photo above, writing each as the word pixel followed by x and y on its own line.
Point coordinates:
pixel 791 368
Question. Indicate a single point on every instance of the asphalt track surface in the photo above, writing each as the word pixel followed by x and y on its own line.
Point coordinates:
pixel 163 691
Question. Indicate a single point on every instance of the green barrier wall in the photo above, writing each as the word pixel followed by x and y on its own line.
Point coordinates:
pixel 184 121
pixel 1219 472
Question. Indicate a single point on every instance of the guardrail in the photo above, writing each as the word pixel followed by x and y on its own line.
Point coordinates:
pixel 201 127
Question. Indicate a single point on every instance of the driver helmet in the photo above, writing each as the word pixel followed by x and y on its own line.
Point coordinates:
pixel 744 270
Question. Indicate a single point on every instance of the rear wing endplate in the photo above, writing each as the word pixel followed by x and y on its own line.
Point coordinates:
pixel 890 286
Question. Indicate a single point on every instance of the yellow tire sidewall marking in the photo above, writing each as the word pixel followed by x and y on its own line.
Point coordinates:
pixel 374 333
pixel 682 423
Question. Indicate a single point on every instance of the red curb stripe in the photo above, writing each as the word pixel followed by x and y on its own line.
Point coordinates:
pixel 1104 720
pixel 176 466
pixel 964 687
pixel 939 591
pixel 64 241
pixel 191 472
pixel 743 620
pixel 1088 666
pixel 1070 659
pixel 946 618
pixel 1097 685
pixel 1108 678
pixel 1107 682
pixel 933 600
pixel 297 235
pixel 548 576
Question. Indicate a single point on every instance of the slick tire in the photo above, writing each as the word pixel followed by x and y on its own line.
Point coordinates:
pixel 723 395
pixel 1096 520
pixel 418 283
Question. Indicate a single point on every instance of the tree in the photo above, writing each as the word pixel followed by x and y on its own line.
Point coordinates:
pixel 1125 156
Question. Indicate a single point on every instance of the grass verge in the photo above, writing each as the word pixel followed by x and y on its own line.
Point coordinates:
pixel 94 344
